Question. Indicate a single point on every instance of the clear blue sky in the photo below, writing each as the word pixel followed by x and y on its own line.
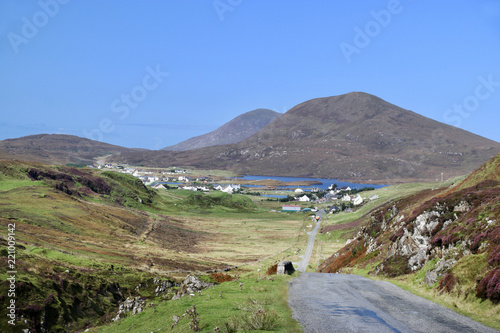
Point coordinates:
pixel 153 73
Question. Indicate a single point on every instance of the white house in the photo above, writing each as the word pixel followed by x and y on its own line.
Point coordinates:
pixel 299 191
pixel 190 188
pixel 358 200
pixel 346 197
pixel 152 178
pixel 228 189
pixel 157 186
pixel 304 198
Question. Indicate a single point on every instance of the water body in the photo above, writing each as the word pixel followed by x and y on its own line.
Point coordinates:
pixel 325 183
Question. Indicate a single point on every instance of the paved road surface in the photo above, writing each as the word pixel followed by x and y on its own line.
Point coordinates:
pixel 351 303
pixel 310 244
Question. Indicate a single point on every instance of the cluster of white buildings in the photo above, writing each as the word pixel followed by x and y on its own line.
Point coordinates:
pixel 153 179
pixel 333 195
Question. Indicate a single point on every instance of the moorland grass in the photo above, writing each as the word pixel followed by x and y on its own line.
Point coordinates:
pixel 246 304
pixel 100 234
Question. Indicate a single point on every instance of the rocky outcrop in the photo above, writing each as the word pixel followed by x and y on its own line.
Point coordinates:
pixel 416 240
pixel 440 269
pixel 443 230
pixel 134 305
pixel 162 286
pixel 191 286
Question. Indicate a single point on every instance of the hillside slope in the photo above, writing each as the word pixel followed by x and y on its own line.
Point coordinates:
pixel 88 240
pixel 84 241
pixel 449 239
pixel 234 131
pixel 490 170
pixel 355 136
pixel 57 149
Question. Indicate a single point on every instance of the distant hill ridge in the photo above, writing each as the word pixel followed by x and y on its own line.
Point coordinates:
pixel 57 148
pixel 356 136
pixel 234 131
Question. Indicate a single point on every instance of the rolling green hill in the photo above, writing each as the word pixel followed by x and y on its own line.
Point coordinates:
pixel 87 239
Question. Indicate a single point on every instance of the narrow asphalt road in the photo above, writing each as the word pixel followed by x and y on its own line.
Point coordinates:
pixel 310 244
pixel 351 303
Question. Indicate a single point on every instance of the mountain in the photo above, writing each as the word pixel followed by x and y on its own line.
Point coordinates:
pixel 449 240
pixel 236 130
pixel 57 148
pixel 356 136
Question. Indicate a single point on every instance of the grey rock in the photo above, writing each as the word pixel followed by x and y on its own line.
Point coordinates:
pixel 191 285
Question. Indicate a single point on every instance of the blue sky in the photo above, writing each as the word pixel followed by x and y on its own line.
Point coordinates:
pixel 153 73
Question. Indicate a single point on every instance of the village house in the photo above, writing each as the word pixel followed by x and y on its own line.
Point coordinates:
pixel 228 189
pixel 357 200
pixel 299 191
pixel 334 209
pixel 157 186
pixel 346 197
pixel 331 197
pixel 304 198
pixel 189 188
pixel 184 179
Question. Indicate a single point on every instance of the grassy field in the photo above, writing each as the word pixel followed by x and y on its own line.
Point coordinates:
pixel 244 304
pixel 73 236
pixel 234 307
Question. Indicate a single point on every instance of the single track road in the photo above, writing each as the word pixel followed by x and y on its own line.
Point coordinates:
pixel 351 303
